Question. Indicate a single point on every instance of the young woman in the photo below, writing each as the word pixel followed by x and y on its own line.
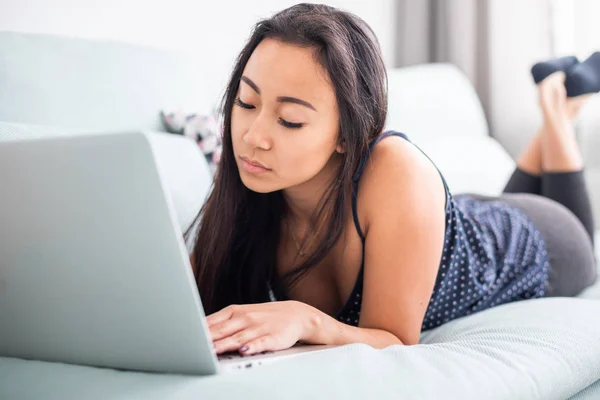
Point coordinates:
pixel 353 230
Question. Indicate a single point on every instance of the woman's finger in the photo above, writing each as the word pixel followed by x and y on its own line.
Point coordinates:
pixel 237 341
pixel 221 315
pixel 227 328
pixel 259 344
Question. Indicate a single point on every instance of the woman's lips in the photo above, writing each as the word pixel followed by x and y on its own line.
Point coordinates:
pixel 254 167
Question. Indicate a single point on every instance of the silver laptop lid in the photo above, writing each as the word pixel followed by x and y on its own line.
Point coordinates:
pixel 93 268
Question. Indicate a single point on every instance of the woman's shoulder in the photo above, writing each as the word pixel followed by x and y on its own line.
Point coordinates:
pixel 398 170
pixel 397 155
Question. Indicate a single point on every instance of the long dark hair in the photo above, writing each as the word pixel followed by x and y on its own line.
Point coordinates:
pixel 238 231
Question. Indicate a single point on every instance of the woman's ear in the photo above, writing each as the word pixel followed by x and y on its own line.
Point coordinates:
pixel 341 147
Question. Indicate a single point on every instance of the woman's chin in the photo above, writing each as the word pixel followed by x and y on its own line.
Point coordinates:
pixel 257 184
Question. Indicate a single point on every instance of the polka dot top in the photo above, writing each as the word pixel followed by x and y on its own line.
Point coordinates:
pixel 493 254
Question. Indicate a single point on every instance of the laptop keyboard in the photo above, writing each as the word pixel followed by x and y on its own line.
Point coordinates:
pixel 234 355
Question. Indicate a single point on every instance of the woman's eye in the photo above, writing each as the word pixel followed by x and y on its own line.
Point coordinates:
pixel 243 105
pixel 292 125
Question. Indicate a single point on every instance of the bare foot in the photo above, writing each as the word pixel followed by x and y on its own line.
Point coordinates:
pixel 554 101
pixel 574 104
pixel 553 98
pixel 559 147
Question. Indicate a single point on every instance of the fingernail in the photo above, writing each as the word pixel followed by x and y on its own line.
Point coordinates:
pixel 244 349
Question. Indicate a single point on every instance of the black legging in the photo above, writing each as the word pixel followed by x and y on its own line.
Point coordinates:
pixel 566 188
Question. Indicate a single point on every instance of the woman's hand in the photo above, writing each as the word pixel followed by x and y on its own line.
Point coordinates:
pixel 254 328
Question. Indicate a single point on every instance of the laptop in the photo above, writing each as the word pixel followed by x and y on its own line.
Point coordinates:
pixel 93 266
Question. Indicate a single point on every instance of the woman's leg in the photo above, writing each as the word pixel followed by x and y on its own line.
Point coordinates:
pixel 544 153
pixel 570 190
pixel 552 165
pixel 563 180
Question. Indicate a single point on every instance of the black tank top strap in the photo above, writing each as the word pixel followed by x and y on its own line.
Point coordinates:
pixel 365 157
pixel 361 167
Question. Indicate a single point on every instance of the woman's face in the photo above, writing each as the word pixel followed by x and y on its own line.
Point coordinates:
pixel 284 123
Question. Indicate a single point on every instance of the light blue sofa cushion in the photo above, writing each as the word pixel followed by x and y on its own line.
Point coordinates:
pixel 78 83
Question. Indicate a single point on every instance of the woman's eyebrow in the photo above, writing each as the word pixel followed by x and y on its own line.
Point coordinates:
pixel 251 84
pixel 281 99
pixel 286 99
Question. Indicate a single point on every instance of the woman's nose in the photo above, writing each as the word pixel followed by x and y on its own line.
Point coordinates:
pixel 257 136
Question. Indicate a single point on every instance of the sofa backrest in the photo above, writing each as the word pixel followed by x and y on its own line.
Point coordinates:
pixel 434 100
pixel 93 85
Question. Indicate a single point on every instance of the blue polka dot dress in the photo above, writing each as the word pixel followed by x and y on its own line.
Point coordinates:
pixel 493 254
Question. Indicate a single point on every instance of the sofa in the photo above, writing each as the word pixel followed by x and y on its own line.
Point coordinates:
pixel 536 349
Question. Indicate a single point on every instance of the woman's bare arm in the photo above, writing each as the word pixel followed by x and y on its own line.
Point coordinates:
pixel 402 198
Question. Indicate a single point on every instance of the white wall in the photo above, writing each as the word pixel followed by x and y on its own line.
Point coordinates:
pixel 213 30
pixel 577 30
pixel 518 37
pixel 587 27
